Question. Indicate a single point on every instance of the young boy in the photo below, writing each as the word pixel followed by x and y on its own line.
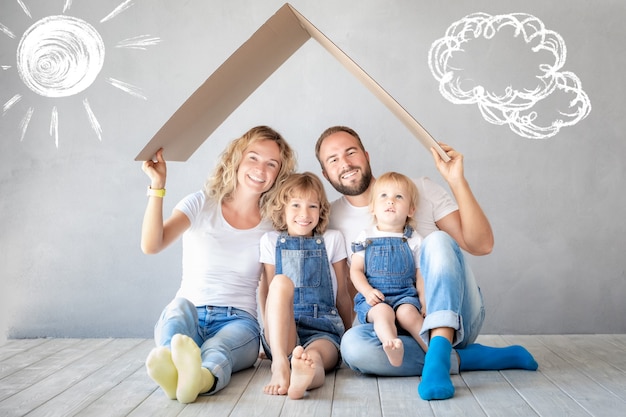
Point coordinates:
pixel 308 307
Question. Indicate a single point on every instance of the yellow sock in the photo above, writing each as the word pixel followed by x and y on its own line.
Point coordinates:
pixel 193 379
pixel 162 370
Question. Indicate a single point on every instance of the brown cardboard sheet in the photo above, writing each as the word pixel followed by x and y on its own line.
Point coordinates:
pixel 243 72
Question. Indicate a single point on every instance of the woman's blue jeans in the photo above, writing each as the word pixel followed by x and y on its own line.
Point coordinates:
pixel 228 337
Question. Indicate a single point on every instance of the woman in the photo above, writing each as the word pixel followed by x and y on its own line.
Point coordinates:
pixel 210 329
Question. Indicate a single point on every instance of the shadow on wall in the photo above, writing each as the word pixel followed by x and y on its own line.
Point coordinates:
pixel 3 319
pixel 9 297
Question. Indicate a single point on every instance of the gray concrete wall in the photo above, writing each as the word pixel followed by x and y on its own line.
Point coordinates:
pixel 73 196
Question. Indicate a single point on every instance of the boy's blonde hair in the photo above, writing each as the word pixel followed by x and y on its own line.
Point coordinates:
pixel 401 181
pixel 222 183
pixel 299 185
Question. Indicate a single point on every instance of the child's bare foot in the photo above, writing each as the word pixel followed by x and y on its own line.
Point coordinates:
pixel 193 379
pixel 162 370
pixel 302 373
pixel 395 351
pixel 279 384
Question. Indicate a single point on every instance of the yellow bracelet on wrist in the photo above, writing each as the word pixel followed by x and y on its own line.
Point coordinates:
pixel 156 192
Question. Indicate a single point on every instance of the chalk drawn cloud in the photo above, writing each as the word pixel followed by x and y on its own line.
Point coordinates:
pixel 514 105
pixel 60 56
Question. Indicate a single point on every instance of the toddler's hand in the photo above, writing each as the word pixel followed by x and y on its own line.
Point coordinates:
pixel 374 297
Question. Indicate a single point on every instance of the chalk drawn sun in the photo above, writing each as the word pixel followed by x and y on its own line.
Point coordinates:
pixel 60 56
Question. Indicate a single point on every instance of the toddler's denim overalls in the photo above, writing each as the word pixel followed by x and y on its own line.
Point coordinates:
pixel 390 268
pixel 305 261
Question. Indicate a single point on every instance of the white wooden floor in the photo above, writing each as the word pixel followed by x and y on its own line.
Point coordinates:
pixel 579 375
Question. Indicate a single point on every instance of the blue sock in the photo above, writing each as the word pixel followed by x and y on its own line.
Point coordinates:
pixel 477 357
pixel 436 383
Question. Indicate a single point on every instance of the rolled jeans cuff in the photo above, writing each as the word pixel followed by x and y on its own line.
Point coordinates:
pixel 443 318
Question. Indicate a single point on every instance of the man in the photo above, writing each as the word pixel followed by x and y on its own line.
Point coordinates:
pixel 455 310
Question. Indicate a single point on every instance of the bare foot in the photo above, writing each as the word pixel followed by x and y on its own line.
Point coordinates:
pixel 279 383
pixel 193 379
pixel 394 350
pixel 302 373
pixel 162 370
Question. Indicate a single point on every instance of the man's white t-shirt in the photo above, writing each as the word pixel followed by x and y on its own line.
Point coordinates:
pixel 220 263
pixel 333 241
pixel 434 204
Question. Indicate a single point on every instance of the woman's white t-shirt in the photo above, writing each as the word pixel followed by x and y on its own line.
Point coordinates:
pixel 220 263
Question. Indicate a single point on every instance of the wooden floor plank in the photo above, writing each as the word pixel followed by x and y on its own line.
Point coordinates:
pixel 14 347
pixel 495 395
pixel 316 402
pixel 463 404
pixel 94 391
pixel 356 395
pixel 579 376
pixel 22 358
pixel 399 397
pixel 83 365
pixel 545 397
pixel 593 398
pixel 254 402
pixel 156 404
pixel 122 399
pixel 22 380
pixel 603 346
pixel 20 348
pixel 604 374
pixel 223 402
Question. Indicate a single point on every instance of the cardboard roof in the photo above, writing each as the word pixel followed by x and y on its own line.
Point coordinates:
pixel 243 72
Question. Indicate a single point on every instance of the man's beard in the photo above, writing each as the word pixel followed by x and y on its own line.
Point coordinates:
pixel 356 189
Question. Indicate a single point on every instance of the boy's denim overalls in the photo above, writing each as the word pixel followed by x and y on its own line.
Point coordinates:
pixel 305 261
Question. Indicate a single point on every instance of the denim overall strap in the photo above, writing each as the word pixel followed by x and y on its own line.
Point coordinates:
pixel 408 231
pixel 305 261
pixel 359 246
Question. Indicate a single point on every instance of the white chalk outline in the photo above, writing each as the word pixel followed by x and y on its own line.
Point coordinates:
pixel 60 56
pixel 54 126
pixel 127 88
pixel 92 119
pixel 138 42
pixel 512 107
pixel 119 9
pixel 25 121
pixel 141 42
